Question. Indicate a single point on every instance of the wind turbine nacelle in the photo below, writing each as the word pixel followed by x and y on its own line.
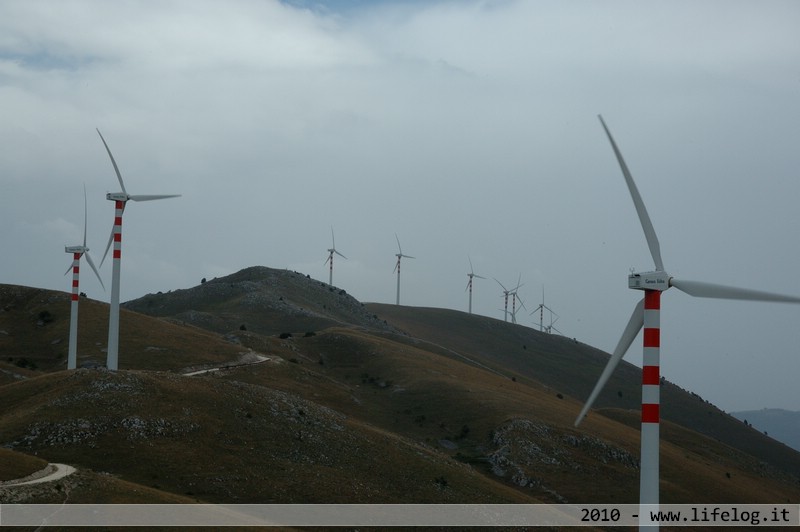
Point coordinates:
pixel 649 281
pixel 117 196
pixel 75 249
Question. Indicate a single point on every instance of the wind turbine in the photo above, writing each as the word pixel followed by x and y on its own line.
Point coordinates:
pixel 540 309
pixel 331 251
pixel 506 293
pixel 646 315
pixel 399 256
pixel 514 297
pixel 119 199
pixel 471 274
pixel 77 253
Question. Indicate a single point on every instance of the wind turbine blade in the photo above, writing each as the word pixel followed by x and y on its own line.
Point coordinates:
pixel 409 256
pixel 108 246
pixel 470 266
pixel 68 269
pixel 151 197
pixel 85 215
pixel 644 218
pixel 327 260
pixel 333 239
pixel 467 288
pixel 628 335
pixel 701 289
pixel 398 243
pixel 113 162
pixel 478 276
pixel 501 285
pixel 339 254
pixel 94 269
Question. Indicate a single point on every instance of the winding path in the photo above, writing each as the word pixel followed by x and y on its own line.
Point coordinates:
pixel 49 474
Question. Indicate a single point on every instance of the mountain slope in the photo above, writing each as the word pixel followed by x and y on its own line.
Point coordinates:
pixel 782 425
pixel 572 367
pixel 429 405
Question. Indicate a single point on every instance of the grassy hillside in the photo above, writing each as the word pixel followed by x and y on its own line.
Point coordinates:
pixel 572 368
pixel 366 404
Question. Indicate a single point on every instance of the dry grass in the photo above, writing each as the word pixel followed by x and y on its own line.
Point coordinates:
pixel 460 409
pixel 15 465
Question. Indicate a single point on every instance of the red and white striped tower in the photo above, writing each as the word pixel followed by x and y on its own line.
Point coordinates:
pixel 72 354
pixel 469 285
pixel 471 275
pixel 331 251
pixel 651 388
pixel 112 356
pixel 397 266
pixel 514 307
pixel 77 253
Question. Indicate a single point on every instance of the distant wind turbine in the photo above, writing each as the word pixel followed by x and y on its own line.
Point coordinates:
pixel 506 293
pixel 119 199
pixel 77 253
pixel 471 274
pixel 540 309
pixel 399 256
pixel 329 260
pixel 646 314
pixel 514 297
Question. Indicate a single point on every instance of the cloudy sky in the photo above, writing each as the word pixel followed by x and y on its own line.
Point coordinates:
pixel 469 128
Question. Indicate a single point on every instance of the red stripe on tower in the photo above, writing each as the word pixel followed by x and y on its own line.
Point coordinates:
pixel 650 375
pixel 650 413
pixel 652 300
pixel 652 337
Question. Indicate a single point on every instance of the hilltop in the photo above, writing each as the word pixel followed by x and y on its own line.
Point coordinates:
pixel 312 396
pixel 261 300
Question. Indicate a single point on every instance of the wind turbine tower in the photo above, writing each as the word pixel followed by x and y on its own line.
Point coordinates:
pixel 120 199
pixel 399 256
pixel 329 261
pixel 506 293
pixel 646 315
pixel 471 274
pixel 540 309
pixel 77 253
pixel 514 296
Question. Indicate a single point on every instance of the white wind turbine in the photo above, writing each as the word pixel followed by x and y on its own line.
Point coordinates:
pixel 119 199
pixel 77 253
pixel 399 256
pixel 471 274
pixel 646 315
pixel 329 260
pixel 540 309
pixel 506 293
pixel 514 297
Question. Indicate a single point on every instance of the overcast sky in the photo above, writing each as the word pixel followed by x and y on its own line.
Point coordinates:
pixel 469 128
